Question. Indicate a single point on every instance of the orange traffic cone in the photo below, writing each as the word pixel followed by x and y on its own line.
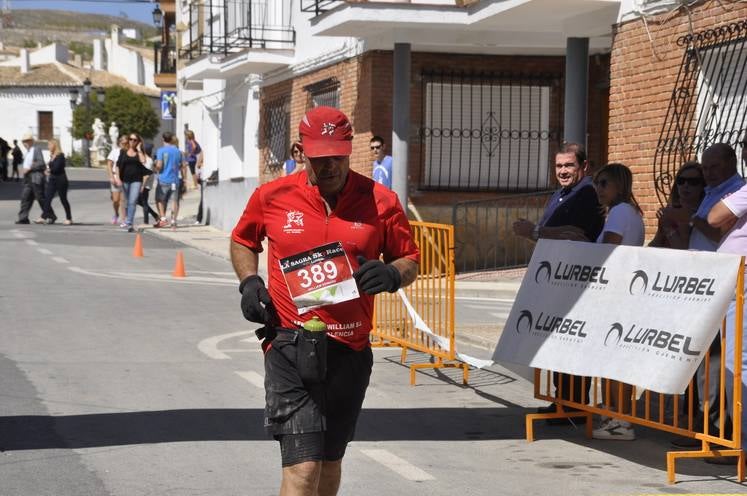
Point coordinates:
pixel 137 252
pixel 179 266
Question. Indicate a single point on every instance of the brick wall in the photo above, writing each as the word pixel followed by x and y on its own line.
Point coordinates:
pixel 641 84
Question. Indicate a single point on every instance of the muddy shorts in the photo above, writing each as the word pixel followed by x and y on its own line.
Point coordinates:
pixel 314 421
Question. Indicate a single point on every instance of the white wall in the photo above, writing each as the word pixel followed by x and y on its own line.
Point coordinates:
pixel 20 107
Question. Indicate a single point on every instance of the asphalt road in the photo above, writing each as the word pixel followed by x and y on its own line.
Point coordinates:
pixel 116 379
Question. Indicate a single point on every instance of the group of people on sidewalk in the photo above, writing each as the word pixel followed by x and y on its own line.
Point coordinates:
pixel 707 211
pixel 42 181
pixel 134 172
pixel 10 156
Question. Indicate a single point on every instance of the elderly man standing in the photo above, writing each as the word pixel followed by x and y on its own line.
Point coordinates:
pixel 573 213
pixel 730 214
pixel 33 179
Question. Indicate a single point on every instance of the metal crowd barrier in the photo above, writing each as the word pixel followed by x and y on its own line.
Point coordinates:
pixel 431 297
pixel 671 413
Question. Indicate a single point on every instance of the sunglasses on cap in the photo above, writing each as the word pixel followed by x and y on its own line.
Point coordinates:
pixel 692 181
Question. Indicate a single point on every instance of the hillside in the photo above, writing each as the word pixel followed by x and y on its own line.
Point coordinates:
pixel 29 27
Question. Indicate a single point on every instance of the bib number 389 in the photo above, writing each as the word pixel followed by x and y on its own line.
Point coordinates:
pixel 320 276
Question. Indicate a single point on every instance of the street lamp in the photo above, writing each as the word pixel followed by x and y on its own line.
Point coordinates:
pixel 85 99
pixel 157 16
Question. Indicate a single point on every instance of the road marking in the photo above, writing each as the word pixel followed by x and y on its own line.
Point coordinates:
pixel 398 465
pixel 252 378
pixel 31 242
pixel 209 346
pixel 60 260
pixel 477 298
pixel 154 277
pixel 44 251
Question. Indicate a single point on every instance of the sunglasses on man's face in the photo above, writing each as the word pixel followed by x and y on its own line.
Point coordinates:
pixel 692 181
pixel 375 147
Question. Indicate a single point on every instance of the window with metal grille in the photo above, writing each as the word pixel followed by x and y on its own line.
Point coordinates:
pixel 276 127
pixel 708 103
pixel 324 93
pixel 487 133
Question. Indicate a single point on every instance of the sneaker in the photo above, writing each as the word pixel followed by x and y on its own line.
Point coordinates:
pixel 130 229
pixel 67 222
pixel 123 225
pixel 161 223
pixel 115 220
pixel 50 221
pixel 23 221
pixel 40 220
pixel 613 429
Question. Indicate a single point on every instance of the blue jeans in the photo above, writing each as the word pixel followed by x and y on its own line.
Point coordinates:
pixel 132 193
pixel 730 339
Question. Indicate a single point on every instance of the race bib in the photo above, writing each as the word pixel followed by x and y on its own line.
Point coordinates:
pixel 318 277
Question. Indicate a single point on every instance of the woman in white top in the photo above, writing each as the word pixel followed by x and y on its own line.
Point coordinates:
pixel 624 226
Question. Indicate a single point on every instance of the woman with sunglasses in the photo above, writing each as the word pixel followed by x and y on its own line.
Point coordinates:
pixel 624 226
pixel 131 171
pixel 296 162
pixel 674 227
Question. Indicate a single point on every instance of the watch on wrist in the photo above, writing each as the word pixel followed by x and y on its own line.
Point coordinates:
pixel 536 232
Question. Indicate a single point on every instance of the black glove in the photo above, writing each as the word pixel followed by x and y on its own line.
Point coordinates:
pixel 374 276
pixel 256 304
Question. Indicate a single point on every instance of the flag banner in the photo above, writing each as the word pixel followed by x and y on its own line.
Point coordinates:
pixel 643 316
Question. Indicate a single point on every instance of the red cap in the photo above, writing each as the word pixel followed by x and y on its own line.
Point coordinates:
pixel 326 132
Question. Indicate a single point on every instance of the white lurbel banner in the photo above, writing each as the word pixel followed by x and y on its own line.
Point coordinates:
pixel 644 316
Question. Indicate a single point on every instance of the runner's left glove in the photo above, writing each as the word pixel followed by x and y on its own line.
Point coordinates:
pixel 256 304
pixel 374 276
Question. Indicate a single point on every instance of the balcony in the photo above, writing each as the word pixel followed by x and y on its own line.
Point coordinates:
pixel 164 73
pixel 318 7
pixel 224 27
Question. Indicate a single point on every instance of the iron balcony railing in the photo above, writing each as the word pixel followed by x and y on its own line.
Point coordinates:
pixel 164 59
pixel 318 7
pixel 230 26
pixel 483 231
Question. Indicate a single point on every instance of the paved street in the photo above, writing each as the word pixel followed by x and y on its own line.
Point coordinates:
pixel 116 379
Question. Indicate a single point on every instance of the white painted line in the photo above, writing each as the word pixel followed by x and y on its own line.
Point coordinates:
pixel 60 260
pixel 253 378
pixel 398 465
pixel 31 242
pixel 209 346
pixel 477 298
pixel 44 251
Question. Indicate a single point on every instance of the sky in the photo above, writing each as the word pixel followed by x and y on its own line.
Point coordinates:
pixel 136 10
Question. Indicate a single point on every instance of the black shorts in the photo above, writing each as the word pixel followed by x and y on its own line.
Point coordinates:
pixel 294 411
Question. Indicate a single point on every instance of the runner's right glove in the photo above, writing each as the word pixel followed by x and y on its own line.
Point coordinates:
pixel 256 304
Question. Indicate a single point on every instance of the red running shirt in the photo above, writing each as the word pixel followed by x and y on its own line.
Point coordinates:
pixel 368 220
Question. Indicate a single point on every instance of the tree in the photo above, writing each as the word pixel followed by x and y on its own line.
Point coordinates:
pixel 132 112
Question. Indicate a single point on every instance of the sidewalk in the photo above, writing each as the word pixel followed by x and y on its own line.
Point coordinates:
pixel 498 285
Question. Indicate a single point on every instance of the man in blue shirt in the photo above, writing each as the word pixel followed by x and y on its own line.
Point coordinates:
pixel 170 168
pixel 382 164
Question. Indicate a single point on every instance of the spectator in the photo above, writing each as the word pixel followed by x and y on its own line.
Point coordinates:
pixel 57 183
pixel 33 180
pixel 17 155
pixel 194 156
pixel 624 226
pixel 4 150
pixel 131 172
pixel 573 213
pixel 730 214
pixel 115 184
pixel 673 230
pixel 296 162
pixel 148 181
pixel 382 164
pixel 169 165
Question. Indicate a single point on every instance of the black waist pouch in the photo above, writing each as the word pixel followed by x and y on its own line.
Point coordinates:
pixel 307 350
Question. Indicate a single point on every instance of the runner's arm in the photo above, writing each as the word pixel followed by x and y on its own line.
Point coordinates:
pixel 408 270
pixel 245 261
